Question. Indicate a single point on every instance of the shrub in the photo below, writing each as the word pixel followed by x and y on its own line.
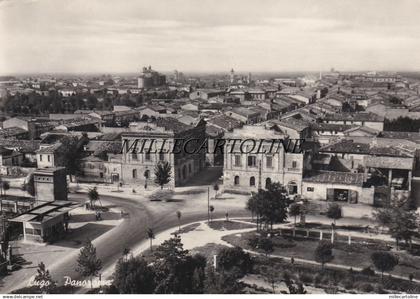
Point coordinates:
pixel 318 279
pixel 348 284
pixel 379 289
pixel 368 271
pixel 236 260
pixel 306 278
pixel 365 287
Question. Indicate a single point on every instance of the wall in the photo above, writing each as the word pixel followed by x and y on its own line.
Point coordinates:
pixel 364 195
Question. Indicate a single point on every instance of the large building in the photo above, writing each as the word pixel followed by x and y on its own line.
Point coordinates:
pixel 248 169
pixel 138 166
pixel 150 79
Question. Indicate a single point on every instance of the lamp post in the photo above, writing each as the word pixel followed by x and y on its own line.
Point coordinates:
pixel 208 204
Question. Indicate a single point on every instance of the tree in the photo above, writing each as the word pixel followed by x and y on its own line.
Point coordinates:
pixel 93 196
pixel 235 260
pixel 72 154
pixel 88 265
pixel 220 282
pixel 134 276
pixel 402 223
pixel 270 205
pixel 295 210
pixel 295 287
pixel 176 271
pixel 44 280
pixel 211 209
pixel 163 173
pixel 150 236
pixel 252 206
pixel 334 212
pixel 179 215
pixel 384 261
pixel 266 245
pixel 5 186
pixel 383 217
pixel 323 253
pixel 216 189
pixel 126 252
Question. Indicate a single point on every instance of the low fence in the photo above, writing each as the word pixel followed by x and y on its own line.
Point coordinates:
pixel 329 235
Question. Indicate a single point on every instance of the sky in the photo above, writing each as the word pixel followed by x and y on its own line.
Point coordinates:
pixel 89 36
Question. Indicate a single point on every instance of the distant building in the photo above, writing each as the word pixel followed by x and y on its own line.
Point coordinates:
pixel 367 119
pixel 150 79
pixel 205 94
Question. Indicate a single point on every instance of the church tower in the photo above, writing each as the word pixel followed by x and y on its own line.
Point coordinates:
pixel 232 76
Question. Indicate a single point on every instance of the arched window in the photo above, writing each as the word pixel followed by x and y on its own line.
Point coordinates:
pixel 267 182
pixel 147 173
pixel 252 181
pixel 134 173
pixel 292 188
pixel 236 180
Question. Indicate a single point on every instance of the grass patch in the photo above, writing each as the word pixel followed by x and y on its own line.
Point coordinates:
pixel 233 191
pixel 354 255
pixel 161 195
pixel 229 225
pixel 190 192
pixel 208 250
pixel 332 280
pixel 186 229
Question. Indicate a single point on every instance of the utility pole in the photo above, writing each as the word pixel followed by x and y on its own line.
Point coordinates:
pixel 208 204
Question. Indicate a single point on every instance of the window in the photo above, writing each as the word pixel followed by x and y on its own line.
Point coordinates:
pixel 134 156
pixel 269 161
pixel 40 157
pixel 292 188
pixel 161 157
pixel 147 173
pixel 310 189
pixel 252 161
pixel 48 158
pixel 252 181
pixel 134 173
pixel 147 156
pixel 294 164
pixel 237 160
pixel 267 183
pixel 236 180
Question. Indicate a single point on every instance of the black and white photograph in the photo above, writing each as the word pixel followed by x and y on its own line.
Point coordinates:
pixel 209 147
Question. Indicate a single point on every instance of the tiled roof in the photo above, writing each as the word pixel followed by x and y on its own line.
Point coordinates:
pixel 334 177
pixel 331 127
pixel 362 116
pixel 213 131
pixel 171 124
pixel 351 147
pixel 225 122
pixel 51 149
pixel 292 123
pixel 12 131
pixel 25 146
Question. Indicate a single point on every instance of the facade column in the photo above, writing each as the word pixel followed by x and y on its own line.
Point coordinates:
pixel 389 177
pixel 410 177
